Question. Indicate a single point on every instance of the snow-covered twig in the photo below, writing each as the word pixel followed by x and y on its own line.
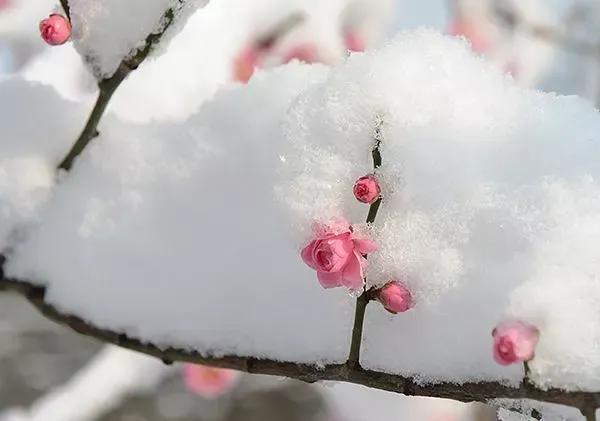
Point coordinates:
pixel 107 88
pixel 483 392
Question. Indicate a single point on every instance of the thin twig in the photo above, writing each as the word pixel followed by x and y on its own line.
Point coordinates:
pixel 363 300
pixel 108 86
pixel 267 40
pixel 66 8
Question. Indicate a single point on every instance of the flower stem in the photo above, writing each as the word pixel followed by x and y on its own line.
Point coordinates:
pixel 66 8
pixel 362 301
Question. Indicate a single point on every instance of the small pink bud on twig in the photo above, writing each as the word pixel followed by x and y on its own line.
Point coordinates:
pixel 395 297
pixel 366 189
pixel 55 30
pixel 514 342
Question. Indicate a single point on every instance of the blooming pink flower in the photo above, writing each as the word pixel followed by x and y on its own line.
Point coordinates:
pixel 209 382
pixel 514 341
pixel 4 4
pixel 306 53
pixel 366 189
pixel 56 29
pixel 354 42
pixel 395 297
pixel 337 256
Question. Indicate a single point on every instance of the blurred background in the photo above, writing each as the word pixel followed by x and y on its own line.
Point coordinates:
pixel 48 373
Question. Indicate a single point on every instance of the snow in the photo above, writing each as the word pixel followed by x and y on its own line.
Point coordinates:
pixel 467 156
pixel 188 234
pixel 29 149
pixel 104 35
pixel 122 199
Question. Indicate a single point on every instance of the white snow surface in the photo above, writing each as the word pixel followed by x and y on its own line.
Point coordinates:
pixel 222 279
pixel 37 127
pixel 104 33
pixel 189 234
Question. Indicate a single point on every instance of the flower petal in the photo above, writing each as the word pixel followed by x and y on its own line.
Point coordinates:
pixel 307 255
pixel 330 280
pixel 352 275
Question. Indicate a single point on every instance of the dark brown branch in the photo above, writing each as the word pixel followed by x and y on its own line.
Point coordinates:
pixel 66 8
pixel 269 39
pixel 107 88
pixel 467 392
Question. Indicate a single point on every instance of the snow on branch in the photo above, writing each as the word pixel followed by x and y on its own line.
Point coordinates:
pixel 485 392
pixel 107 86
pixel 453 213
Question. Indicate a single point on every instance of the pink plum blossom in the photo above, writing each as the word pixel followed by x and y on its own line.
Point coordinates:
pixel 209 382
pixel 514 341
pixel 366 189
pixel 338 256
pixel 55 30
pixel 395 297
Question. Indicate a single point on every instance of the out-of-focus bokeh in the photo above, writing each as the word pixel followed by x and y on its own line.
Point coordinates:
pixel 48 373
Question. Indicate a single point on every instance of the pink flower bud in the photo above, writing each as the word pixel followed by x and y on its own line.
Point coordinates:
pixel 514 341
pixel 395 297
pixel 366 189
pixel 56 29
pixel 209 382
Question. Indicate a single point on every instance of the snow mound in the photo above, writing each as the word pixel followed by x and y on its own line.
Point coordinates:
pixel 189 234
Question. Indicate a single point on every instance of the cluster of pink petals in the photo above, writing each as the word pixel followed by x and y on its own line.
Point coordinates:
pixel 209 382
pixel 395 297
pixel 514 342
pixel 55 30
pixel 366 189
pixel 338 256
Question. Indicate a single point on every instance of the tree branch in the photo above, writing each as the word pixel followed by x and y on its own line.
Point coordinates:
pixel 467 392
pixel 107 87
